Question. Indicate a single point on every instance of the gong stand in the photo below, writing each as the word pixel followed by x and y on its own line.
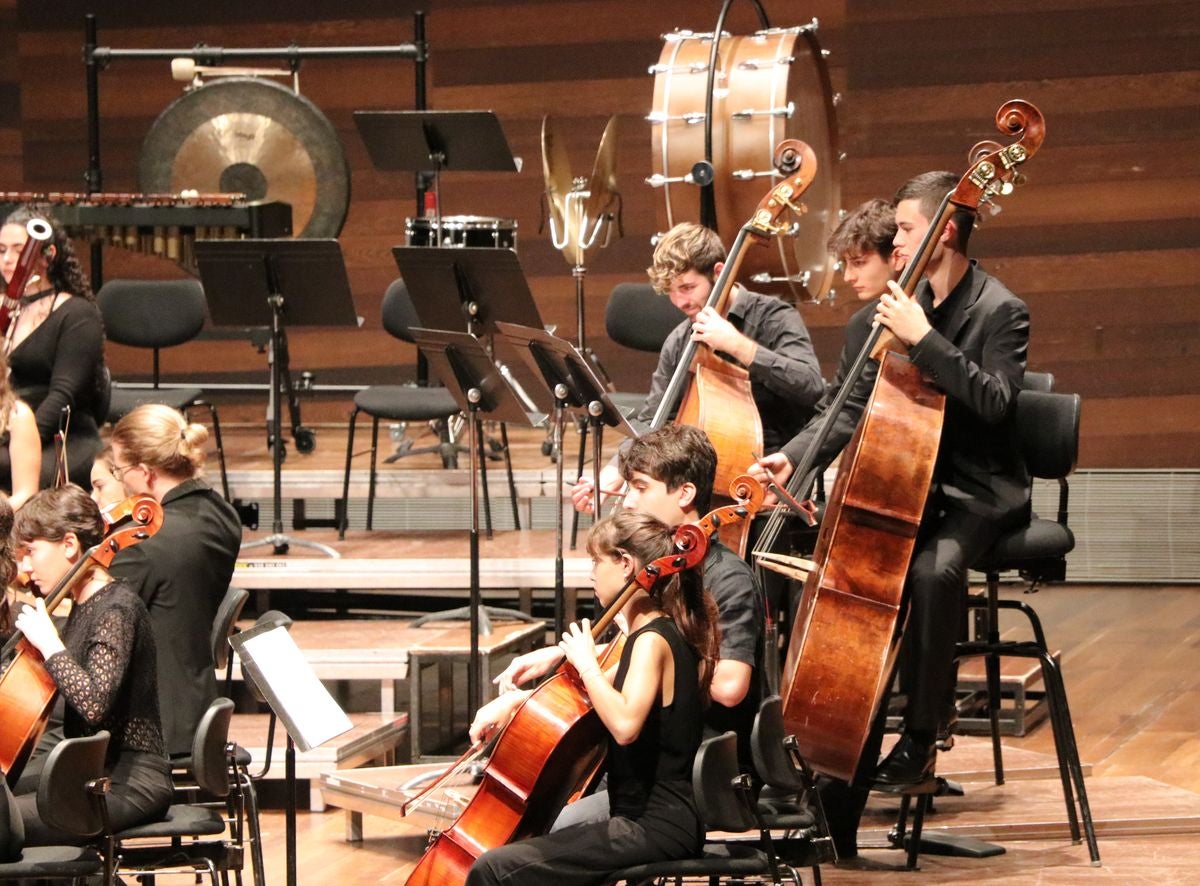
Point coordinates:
pixel 273 283
pixel 96 58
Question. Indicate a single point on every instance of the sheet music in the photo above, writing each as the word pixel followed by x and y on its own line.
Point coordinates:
pixel 307 710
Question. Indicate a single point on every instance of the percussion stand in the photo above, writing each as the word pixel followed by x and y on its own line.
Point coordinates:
pixel 466 368
pixel 570 374
pixel 247 279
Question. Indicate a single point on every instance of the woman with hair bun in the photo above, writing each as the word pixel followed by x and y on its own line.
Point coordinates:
pixel 56 344
pixel 181 573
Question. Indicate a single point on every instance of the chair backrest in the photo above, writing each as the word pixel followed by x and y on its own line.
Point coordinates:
pixel 227 615
pixel 638 317
pixel 12 829
pixel 1047 430
pixel 399 315
pixel 151 313
pixel 1038 381
pixel 714 772
pixel 63 801
pixel 771 758
pixel 210 767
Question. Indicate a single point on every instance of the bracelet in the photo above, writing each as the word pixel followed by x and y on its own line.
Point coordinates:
pixel 583 675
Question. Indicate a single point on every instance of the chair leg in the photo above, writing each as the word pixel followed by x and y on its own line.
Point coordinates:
pixel 1064 740
pixel 345 521
pixel 512 485
pixel 991 663
pixel 914 841
pixel 371 480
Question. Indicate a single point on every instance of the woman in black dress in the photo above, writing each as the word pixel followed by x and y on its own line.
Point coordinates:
pixel 56 345
pixel 103 662
pixel 652 705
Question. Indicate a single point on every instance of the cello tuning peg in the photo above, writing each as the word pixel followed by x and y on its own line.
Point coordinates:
pixel 1019 179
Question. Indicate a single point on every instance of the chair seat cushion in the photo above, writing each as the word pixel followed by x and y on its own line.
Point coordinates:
pixel 125 400
pixel 1040 540
pixel 53 861
pixel 719 859
pixel 181 820
pixel 405 402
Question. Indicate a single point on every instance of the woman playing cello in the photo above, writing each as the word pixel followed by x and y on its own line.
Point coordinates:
pixel 651 703
pixel 103 662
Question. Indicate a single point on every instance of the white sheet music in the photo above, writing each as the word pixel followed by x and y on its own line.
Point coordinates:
pixel 302 702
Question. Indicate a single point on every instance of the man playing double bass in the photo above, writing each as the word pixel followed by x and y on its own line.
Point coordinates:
pixel 968 334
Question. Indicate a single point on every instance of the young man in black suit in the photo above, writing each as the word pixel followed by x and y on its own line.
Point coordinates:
pixel 969 335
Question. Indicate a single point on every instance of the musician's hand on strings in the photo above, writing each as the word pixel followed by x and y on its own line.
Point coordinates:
pixel 527 667
pixel 774 468
pixel 712 329
pixel 495 714
pixel 902 314
pixel 579 648
pixel 34 622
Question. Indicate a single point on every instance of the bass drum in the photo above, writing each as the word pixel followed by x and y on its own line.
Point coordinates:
pixel 464 230
pixel 769 86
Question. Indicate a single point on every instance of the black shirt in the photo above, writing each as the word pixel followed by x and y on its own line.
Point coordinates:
pixel 785 377
pixel 107 673
pixel 182 573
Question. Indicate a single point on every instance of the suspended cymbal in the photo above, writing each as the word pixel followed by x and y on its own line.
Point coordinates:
pixel 253 136
pixel 602 187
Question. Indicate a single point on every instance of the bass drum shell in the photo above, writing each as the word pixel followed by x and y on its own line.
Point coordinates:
pixel 770 86
pixel 463 230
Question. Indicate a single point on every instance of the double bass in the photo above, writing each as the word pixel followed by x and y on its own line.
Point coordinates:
pixel 554 744
pixel 709 392
pixel 27 691
pixel 848 624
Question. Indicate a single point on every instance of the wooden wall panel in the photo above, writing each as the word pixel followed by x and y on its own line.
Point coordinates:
pixel 1102 243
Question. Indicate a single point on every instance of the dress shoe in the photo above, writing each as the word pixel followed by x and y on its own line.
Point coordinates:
pixel 909 764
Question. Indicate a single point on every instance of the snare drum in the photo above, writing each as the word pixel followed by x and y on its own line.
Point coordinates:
pixel 770 86
pixel 464 230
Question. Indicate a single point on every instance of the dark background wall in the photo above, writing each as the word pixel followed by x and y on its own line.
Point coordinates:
pixel 1102 243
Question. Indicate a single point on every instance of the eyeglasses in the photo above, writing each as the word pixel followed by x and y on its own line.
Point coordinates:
pixel 118 471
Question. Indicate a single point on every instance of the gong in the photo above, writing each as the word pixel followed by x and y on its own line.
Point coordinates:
pixel 251 136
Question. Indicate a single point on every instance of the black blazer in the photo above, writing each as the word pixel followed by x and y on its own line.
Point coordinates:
pixel 181 574
pixel 978 361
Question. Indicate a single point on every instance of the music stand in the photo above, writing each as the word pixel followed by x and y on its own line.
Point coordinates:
pixel 260 283
pixel 419 141
pixel 467 370
pixel 274 666
pixel 470 289
pixel 576 385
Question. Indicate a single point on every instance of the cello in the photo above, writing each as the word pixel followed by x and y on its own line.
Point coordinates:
pixel 709 392
pixel 848 624
pixel 27 691
pixel 554 744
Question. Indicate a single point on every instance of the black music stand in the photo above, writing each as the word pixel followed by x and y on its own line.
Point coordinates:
pixel 273 283
pixel 275 668
pixel 575 384
pixel 422 141
pixel 472 288
pixel 479 386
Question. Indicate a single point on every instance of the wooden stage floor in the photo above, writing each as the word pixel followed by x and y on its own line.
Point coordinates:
pixel 1129 656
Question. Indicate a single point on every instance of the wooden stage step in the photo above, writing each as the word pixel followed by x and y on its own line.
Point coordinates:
pixel 374 740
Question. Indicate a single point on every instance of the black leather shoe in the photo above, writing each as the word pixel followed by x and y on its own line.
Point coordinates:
pixel 908 765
